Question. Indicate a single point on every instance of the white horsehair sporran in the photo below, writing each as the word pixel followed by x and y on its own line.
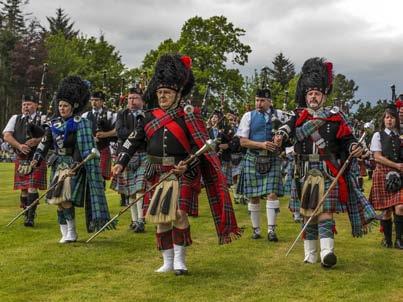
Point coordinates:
pixel 62 192
pixel 164 202
pixel 312 192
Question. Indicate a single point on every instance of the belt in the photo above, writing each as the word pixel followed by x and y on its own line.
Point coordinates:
pixel 165 160
pixel 315 157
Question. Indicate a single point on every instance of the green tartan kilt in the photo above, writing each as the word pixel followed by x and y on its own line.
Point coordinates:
pixel 132 179
pixel 253 184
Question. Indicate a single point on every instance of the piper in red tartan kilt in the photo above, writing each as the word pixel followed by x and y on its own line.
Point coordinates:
pixel 323 141
pixel 103 128
pixel 23 132
pixel 171 134
pixel 386 190
pixel 131 182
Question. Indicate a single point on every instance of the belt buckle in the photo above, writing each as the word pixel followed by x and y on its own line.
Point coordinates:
pixel 314 157
pixel 168 161
pixel 62 151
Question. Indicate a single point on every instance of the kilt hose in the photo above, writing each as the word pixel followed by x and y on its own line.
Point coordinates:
pixel 34 180
pixel 253 184
pixel 132 179
pixel 379 197
pixel 189 189
pixel 106 162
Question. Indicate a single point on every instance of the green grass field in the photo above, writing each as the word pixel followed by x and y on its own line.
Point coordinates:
pixel 119 265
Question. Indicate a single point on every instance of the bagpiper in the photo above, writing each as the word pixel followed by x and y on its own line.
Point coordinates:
pixel 131 182
pixel 322 141
pixel 24 132
pixel 103 129
pixel 261 166
pixel 171 133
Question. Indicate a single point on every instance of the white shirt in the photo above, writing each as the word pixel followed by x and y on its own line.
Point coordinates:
pixel 109 115
pixel 11 122
pixel 376 145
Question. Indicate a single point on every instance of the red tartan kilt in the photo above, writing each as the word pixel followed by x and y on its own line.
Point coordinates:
pixel 363 168
pixel 106 162
pixel 35 180
pixel 379 197
pixel 189 190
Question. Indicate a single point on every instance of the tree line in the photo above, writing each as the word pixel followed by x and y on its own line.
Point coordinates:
pixel 214 43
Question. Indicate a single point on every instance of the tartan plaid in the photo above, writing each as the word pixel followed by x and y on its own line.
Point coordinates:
pixel 130 181
pixel 294 204
pixel 106 162
pixel 379 197
pixel 87 184
pixel 34 180
pixel 181 236
pixel 214 181
pixel 164 240
pixel 189 190
pixel 289 177
pixel 253 184
pixel 226 167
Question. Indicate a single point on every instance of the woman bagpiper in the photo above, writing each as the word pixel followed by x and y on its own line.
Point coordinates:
pixel 386 191
pixel 71 137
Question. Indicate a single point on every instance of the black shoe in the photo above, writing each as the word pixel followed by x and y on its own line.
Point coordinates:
pixel 29 222
pixel 139 228
pixel 399 244
pixel 329 260
pixel 256 233
pixel 181 272
pixel 271 236
pixel 387 244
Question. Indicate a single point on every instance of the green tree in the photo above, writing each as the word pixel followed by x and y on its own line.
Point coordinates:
pixel 343 93
pixel 213 44
pixel 283 70
pixel 61 24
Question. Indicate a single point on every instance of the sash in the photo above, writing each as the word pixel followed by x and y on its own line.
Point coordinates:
pixel 165 119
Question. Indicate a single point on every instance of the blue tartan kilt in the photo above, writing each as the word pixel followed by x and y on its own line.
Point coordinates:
pixel 332 203
pixel 253 184
pixel 294 204
pixel 132 179
pixel 226 167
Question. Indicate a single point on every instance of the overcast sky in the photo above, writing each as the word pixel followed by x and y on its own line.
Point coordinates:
pixel 363 38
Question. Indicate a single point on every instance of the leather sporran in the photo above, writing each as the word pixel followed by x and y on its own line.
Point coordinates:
pixel 62 191
pixel 263 164
pixel 164 202
pixel 236 158
pixel 393 182
pixel 24 167
pixel 312 192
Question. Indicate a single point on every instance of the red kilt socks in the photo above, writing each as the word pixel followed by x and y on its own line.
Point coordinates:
pixel 164 240
pixel 181 236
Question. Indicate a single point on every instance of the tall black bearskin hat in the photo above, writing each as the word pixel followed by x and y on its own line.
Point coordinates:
pixel 74 91
pixel 171 71
pixel 316 74
pixel 29 97
pixel 98 95
pixel 263 93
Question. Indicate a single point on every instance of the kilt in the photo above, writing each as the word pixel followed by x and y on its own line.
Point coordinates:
pixel 379 197
pixel 189 189
pixel 226 167
pixel 294 204
pixel 35 180
pixel 331 203
pixel 253 184
pixel 132 179
pixel 288 177
pixel 106 162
